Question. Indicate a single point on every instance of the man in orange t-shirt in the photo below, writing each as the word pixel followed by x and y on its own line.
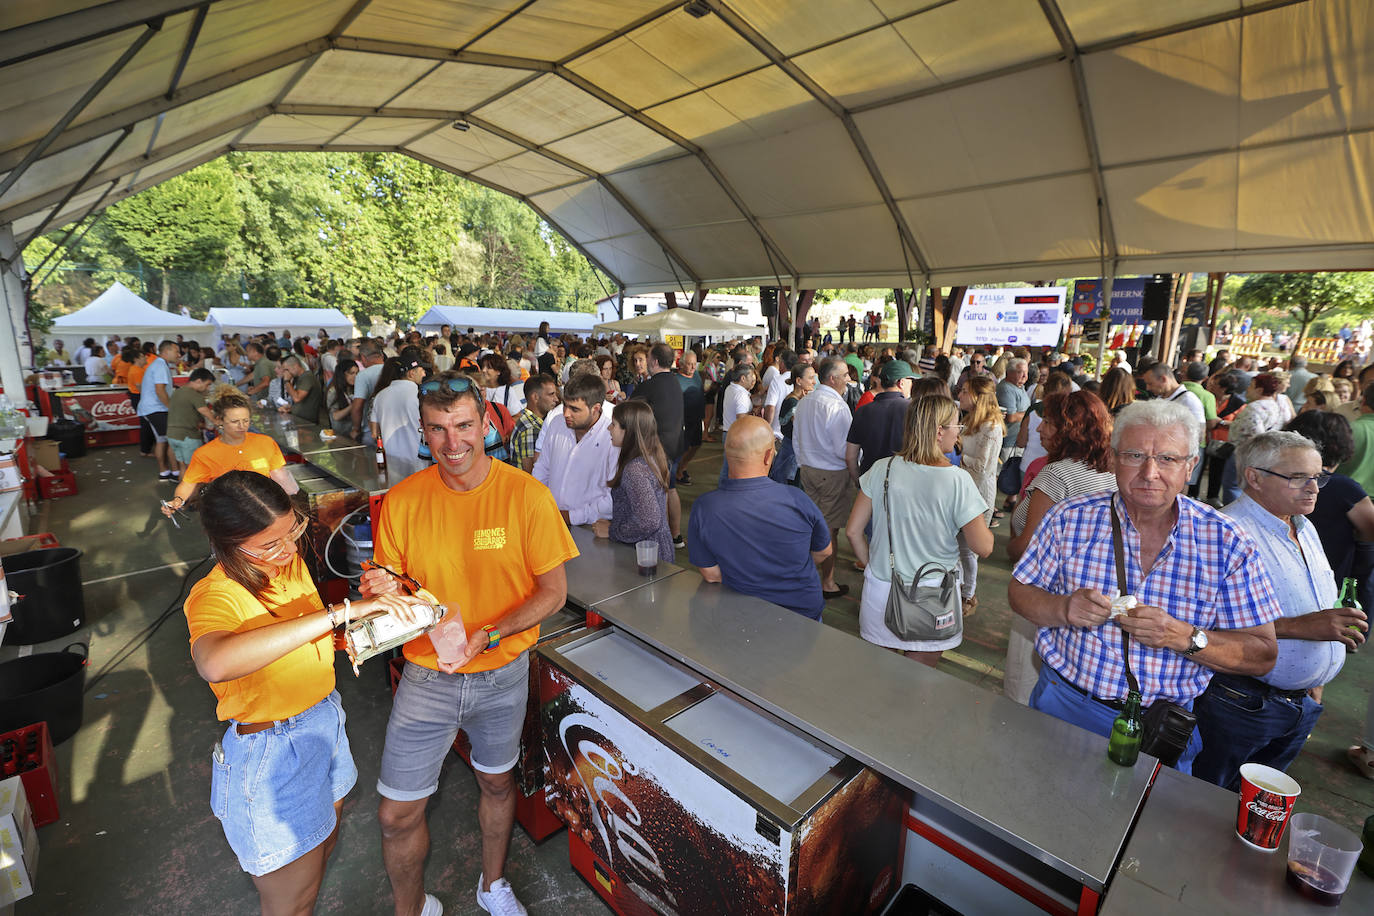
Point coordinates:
pixel 488 542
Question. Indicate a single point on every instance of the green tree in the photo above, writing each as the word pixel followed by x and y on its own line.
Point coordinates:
pixel 1306 296
pixel 188 222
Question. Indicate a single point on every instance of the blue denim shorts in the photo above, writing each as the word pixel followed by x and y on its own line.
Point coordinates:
pixel 274 791
pixel 427 712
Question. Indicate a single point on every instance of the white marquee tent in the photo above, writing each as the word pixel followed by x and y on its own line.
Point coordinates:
pixel 119 310
pixel 462 317
pixel 302 322
pixel 820 143
pixel 678 321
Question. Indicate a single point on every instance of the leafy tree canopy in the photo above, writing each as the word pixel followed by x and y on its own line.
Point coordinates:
pixel 369 233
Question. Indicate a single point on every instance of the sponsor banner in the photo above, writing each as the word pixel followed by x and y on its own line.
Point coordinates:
pixel 108 408
pixel 1030 316
pixel 1128 300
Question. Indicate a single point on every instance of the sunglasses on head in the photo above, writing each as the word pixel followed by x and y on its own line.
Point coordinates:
pixel 457 385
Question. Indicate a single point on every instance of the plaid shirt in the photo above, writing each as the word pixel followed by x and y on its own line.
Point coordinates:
pixel 523 437
pixel 1208 574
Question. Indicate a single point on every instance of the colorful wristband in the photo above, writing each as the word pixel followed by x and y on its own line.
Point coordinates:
pixel 493 638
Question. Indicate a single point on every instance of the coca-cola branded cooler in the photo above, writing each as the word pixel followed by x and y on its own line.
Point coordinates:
pixel 107 413
pixel 682 798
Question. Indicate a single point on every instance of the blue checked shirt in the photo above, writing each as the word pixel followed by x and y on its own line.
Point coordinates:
pixel 1208 574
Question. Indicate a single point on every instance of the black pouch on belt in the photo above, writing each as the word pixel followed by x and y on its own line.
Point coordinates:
pixel 1168 727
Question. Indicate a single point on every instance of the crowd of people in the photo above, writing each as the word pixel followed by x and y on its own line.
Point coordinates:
pixel 917 457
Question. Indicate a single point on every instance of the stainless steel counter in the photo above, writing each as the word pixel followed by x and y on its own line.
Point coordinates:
pixel 1184 857
pixel 1039 784
pixel 297 435
pixel 606 569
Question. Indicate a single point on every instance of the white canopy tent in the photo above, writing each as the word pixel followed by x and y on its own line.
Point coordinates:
pixel 119 310
pixel 742 142
pixel 462 317
pixel 678 321
pixel 302 322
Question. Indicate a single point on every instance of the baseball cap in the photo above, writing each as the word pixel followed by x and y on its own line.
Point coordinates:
pixel 893 371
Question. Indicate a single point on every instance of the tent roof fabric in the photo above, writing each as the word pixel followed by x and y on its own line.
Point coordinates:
pixel 462 317
pixel 678 321
pixel 303 322
pixel 845 143
pixel 119 310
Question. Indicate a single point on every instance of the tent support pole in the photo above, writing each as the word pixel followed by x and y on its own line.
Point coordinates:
pixel 15 299
pixel 1107 283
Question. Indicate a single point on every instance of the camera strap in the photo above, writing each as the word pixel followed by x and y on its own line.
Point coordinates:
pixel 1119 550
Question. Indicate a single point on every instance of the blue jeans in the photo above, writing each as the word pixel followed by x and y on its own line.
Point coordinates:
pixel 1241 722
pixel 1230 482
pixel 1057 697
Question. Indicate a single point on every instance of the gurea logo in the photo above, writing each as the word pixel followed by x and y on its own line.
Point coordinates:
pixel 1001 316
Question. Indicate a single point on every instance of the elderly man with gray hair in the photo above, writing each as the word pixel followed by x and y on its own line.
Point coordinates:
pixel 1195 601
pixel 1266 718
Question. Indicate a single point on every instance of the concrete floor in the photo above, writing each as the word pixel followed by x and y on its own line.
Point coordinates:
pixel 136 834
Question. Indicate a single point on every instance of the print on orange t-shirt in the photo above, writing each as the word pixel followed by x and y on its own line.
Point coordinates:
pixel 478 550
pixel 258 453
pixel 291 684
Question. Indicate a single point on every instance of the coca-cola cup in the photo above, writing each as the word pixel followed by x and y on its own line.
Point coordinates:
pixel 1266 802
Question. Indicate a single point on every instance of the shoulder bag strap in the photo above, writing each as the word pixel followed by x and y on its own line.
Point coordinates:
pixel 887 517
pixel 1117 540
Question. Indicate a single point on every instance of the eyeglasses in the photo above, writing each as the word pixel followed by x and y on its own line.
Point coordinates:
pixel 958 426
pixel 1300 481
pixel 457 385
pixel 278 549
pixel 1132 458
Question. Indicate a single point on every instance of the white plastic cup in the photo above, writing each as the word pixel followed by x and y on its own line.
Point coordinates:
pixel 646 557
pixel 1321 856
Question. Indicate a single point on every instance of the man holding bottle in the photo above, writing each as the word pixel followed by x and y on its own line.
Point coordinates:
pixel 487 541
pixel 1267 718
pixel 1202 604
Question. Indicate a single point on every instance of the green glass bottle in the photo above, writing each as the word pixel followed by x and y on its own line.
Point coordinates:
pixel 1366 860
pixel 1350 597
pixel 1123 747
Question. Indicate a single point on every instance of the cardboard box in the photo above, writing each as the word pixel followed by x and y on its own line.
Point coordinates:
pixel 47 453
pixel 18 843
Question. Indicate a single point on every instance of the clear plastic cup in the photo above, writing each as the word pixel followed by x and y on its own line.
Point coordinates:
pixel 1321 856
pixel 646 556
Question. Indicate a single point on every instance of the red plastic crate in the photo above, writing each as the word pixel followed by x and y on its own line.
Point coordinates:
pixel 61 483
pixel 40 783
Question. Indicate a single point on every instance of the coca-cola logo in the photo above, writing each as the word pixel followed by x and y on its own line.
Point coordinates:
pixel 622 818
pixel 106 409
pixel 1268 812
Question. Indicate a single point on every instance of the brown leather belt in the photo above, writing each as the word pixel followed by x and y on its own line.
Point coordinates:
pixel 252 728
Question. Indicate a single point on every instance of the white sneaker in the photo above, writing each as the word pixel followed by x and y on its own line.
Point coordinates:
pixel 432 906
pixel 500 900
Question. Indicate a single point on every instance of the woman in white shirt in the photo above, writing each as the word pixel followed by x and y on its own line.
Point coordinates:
pixel 396 417
pixel 932 503
pixel 97 370
pixel 982 443
pixel 499 387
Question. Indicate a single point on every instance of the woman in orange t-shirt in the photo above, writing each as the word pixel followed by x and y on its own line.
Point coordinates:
pixel 234 449
pixel 264 641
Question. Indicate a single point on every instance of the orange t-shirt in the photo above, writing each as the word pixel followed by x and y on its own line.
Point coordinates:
pixel 291 684
pixel 134 375
pixel 258 453
pixel 478 550
pixel 119 371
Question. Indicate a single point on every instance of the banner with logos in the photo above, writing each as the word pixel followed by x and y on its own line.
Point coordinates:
pixel 1128 300
pixel 1029 316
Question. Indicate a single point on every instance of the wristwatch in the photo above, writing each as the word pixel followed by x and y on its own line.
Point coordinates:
pixel 1197 642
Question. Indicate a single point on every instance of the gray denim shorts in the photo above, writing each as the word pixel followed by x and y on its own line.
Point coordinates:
pixel 427 712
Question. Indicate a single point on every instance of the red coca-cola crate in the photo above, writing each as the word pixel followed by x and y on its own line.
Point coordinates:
pixel 61 483
pixel 32 748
